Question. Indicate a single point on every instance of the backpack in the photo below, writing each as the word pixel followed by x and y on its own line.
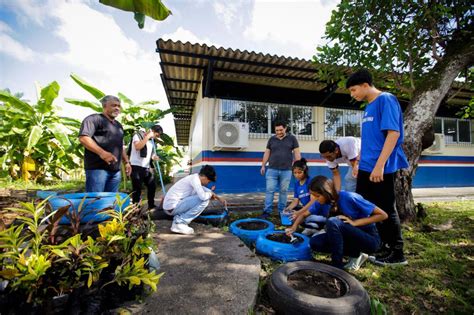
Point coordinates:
pixel 129 148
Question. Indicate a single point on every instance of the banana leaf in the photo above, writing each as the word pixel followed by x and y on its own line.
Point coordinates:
pixel 35 135
pixel 152 8
pixel 61 134
pixel 16 103
pixel 47 96
pixel 98 94
pixel 96 107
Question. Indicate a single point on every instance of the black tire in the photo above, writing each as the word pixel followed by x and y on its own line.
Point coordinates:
pixel 287 300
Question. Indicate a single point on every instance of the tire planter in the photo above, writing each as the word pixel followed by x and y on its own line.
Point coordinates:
pixel 213 217
pixel 43 194
pixel 249 236
pixel 300 250
pixel 93 203
pixel 287 300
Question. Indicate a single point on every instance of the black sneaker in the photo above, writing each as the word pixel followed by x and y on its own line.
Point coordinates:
pixel 383 252
pixel 396 258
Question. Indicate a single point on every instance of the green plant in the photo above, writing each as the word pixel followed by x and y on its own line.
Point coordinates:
pixel 37 266
pixel 377 307
pixel 35 142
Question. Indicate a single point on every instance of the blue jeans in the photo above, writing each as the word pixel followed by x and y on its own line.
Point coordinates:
pixel 344 239
pixel 276 180
pixel 350 182
pixel 102 181
pixel 188 209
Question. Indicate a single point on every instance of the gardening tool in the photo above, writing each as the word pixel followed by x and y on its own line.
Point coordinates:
pixel 293 240
pixel 157 166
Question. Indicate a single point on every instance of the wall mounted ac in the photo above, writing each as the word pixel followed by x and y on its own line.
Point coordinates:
pixel 230 134
pixel 438 144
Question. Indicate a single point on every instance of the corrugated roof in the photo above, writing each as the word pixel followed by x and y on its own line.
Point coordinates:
pixel 184 67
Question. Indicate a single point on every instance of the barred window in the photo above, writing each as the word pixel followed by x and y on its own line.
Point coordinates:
pixel 262 117
pixel 456 131
pixel 342 123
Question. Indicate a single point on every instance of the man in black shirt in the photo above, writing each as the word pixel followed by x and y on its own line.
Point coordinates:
pixel 102 137
pixel 279 155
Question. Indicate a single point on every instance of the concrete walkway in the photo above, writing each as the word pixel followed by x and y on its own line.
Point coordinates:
pixel 210 272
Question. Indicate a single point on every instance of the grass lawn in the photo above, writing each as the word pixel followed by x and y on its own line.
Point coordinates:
pixel 439 277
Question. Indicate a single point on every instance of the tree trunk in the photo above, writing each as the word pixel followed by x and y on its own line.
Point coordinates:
pixel 420 114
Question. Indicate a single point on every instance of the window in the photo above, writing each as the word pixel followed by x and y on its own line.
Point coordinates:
pixel 262 117
pixel 456 131
pixel 342 123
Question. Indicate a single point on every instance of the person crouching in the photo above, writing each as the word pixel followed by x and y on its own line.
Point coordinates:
pixel 188 198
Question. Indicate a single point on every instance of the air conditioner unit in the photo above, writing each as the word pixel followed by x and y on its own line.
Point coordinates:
pixel 438 144
pixel 231 135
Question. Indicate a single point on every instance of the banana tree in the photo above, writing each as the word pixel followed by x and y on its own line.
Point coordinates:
pixel 35 142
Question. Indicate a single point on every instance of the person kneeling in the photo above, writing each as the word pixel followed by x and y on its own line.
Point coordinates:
pixel 350 229
pixel 188 198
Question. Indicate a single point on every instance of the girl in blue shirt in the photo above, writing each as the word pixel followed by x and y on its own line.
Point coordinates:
pixel 350 228
pixel 301 194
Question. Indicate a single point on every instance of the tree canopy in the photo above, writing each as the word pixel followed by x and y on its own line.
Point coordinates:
pixel 402 38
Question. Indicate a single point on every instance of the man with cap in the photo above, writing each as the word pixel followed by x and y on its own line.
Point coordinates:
pixel 142 155
pixel 188 198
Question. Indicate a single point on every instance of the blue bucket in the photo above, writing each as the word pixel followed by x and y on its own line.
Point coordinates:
pixel 93 203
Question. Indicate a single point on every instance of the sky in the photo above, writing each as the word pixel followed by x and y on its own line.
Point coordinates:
pixel 45 41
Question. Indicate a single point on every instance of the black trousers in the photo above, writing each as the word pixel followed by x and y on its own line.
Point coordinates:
pixel 383 196
pixel 140 176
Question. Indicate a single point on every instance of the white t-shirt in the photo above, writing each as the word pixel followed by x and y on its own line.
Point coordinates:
pixel 135 158
pixel 350 149
pixel 188 186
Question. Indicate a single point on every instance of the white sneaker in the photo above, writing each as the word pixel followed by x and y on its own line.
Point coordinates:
pixel 309 232
pixel 354 264
pixel 181 228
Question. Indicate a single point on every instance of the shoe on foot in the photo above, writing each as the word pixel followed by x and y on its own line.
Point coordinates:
pixel 396 258
pixel 309 232
pixel 181 228
pixel 355 263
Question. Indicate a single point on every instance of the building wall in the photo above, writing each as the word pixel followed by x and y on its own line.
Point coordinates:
pixel 238 170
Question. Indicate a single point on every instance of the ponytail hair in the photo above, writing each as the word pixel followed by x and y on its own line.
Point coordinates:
pixel 302 165
pixel 325 187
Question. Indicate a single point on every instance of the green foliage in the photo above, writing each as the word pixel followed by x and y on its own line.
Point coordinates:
pixel 37 132
pixel 377 307
pixel 152 8
pixel 404 39
pixel 37 266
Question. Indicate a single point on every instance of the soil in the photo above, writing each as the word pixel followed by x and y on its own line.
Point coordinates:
pixel 283 238
pixel 317 283
pixel 256 225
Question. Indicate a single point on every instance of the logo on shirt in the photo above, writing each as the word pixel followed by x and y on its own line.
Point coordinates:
pixel 367 119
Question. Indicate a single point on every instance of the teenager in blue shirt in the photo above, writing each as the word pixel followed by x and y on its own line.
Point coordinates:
pixel 302 195
pixel 350 228
pixel 381 157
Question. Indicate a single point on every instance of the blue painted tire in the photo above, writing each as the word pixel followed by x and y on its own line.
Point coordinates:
pixel 250 236
pixel 43 194
pixel 282 251
pixel 214 218
pixel 93 203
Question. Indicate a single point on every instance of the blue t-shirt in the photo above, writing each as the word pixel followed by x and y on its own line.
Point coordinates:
pixel 353 205
pixel 302 193
pixel 383 114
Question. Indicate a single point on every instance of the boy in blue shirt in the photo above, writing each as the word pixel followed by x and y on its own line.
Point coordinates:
pixel 381 157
